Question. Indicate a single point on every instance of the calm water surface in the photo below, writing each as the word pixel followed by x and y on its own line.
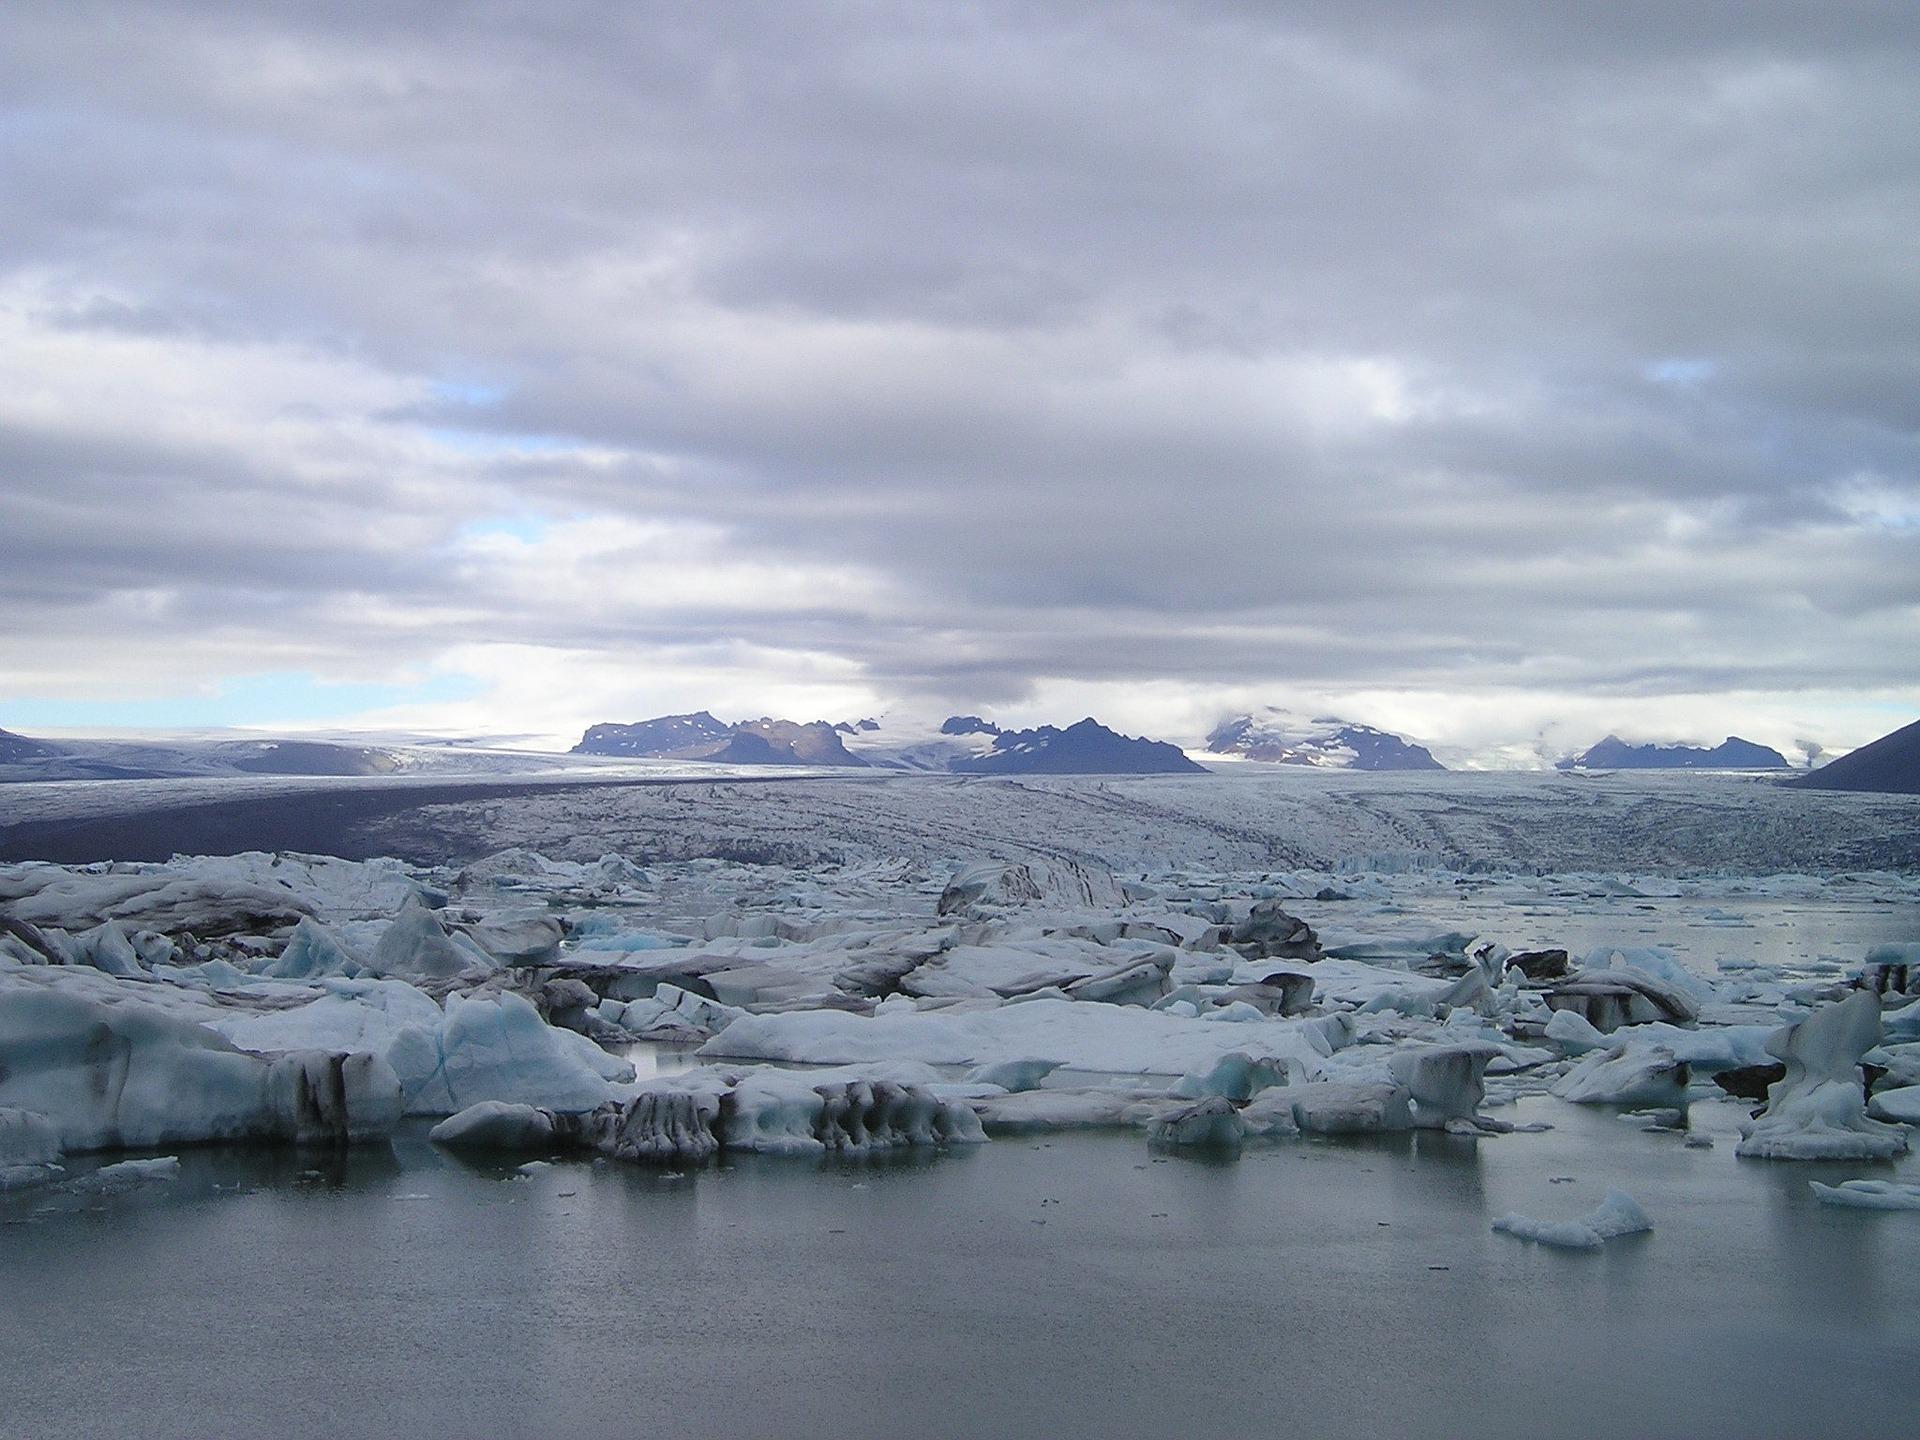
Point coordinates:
pixel 1079 1286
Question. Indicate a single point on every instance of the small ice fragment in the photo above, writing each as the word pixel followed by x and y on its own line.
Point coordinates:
pixel 1868 1194
pixel 129 1174
pixel 1618 1214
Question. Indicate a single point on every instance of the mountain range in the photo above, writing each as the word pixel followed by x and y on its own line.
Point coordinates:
pixel 1733 753
pixel 1084 748
pixel 963 744
pixel 700 736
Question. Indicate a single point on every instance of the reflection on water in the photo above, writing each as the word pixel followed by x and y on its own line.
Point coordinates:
pixel 1059 1286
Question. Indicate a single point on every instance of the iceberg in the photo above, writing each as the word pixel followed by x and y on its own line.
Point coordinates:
pixel 1638 1074
pixel 1621 995
pixel 497 1047
pixel 1900 1106
pixel 994 885
pixel 129 1175
pixel 1616 1215
pixel 416 946
pixel 499 1125
pixel 1013 1076
pixel 1331 1107
pixel 696 1116
pixel 1868 1194
pixel 1122 1039
pixel 311 951
pixel 1034 1111
pixel 1234 1076
pixel 1211 1123
pixel 1817 1110
pixel 130 1076
pixel 1446 1085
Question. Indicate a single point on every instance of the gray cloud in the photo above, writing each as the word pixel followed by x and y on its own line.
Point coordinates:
pixel 1488 345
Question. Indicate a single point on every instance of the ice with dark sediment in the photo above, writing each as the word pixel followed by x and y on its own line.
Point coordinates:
pixel 877 1004
pixel 1817 1110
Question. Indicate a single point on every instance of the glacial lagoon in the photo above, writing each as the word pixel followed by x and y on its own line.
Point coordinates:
pixel 1063 1285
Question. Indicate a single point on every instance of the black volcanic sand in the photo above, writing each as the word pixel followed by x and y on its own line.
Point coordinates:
pixel 331 821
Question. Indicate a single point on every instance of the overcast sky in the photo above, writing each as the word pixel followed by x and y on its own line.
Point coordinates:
pixel 1503 374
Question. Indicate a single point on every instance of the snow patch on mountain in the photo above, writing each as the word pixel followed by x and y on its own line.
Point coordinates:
pixel 1281 737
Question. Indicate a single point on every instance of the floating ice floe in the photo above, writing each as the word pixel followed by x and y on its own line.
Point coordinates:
pixel 1616 1215
pixel 128 1175
pixel 1900 1106
pixel 1817 1110
pixel 1234 1076
pixel 206 895
pixel 496 1047
pixel 1037 1111
pixel 1014 1076
pixel 1330 1107
pixel 1868 1194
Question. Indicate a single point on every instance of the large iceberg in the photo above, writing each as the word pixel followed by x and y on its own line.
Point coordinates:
pixel 496 1047
pixel 1446 1085
pixel 130 1076
pixel 1817 1110
pixel 693 1117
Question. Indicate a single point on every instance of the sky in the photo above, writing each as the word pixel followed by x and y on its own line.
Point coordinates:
pixel 1504 374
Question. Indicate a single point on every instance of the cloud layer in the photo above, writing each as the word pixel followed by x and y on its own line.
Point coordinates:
pixel 1501 370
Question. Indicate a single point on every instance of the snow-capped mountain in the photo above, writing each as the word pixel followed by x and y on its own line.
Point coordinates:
pixel 650 739
pixel 1085 748
pixel 905 742
pixel 972 745
pixel 1280 737
pixel 700 736
pixel 1733 753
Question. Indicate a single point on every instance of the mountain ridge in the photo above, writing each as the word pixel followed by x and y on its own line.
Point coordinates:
pixel 1733 753
pixel 1888 766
